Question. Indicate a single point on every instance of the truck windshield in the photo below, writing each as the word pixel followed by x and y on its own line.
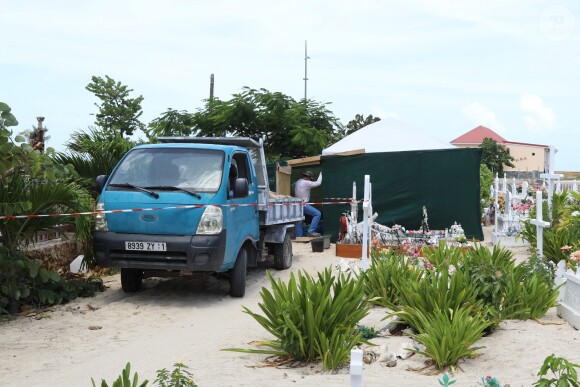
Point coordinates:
pixel 197 170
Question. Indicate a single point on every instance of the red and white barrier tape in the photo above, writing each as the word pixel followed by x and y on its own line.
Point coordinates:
pixel 349 199
pixel 189 206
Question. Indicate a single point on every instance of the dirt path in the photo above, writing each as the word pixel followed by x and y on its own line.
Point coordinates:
pixel 192 320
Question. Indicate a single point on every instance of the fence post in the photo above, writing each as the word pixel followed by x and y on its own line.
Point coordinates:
pixel 356 367
pixel 366 223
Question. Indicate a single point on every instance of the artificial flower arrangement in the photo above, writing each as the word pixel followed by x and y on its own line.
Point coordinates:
pixel 574 257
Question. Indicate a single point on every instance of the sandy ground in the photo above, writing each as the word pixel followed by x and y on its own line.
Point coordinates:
pixel 192 320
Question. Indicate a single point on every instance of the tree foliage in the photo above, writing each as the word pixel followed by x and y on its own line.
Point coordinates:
pixel 92 153
pixel 118 114
pixel 495 156
pixel 172 123
pixel 290 129
pixel 31 184
pixel 360 122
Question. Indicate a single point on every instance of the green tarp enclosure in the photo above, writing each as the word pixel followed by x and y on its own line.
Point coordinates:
pixel 445 181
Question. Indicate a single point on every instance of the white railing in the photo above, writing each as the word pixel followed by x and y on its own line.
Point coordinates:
pixel 569 298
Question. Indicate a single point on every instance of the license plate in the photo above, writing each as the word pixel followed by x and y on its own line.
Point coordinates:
pixel 146 246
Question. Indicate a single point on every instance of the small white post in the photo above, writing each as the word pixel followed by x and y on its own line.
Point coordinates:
pixel 540 224
pixel 356 367
pixel 366 223
pixel 575 186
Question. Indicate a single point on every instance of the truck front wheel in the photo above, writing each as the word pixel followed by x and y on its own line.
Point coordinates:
pixel 131 279
pixel 283 254
pixel 238 275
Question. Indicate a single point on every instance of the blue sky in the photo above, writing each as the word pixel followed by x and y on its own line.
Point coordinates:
pixel 442 66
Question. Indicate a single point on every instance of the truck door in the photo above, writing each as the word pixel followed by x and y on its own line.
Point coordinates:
pixel 243 220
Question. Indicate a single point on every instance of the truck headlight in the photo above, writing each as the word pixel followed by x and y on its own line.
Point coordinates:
pixel 211 221
pixel 100 219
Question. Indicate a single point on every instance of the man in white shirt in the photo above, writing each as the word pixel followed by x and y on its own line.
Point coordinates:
pixel 302 189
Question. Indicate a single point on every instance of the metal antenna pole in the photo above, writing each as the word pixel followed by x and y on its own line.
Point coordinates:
pixel 306 57
pixel 211 88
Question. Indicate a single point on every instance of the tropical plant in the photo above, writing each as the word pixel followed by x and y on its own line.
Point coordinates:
pixel 92 153
pixel 180 376
pixel 435 291
pixel 564 371
pixel 528 298
pixel 124 380
pixel 444 256
pixel 447 335
pixel 495 156
pixel 32 184
pixel 378 278
pixel 311 318
pixel 488 272
pixel 118 114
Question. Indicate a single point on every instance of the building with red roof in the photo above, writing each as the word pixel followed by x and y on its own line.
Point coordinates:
pixel 528 157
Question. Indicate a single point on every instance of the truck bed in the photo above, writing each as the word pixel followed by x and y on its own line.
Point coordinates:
pixel 277 209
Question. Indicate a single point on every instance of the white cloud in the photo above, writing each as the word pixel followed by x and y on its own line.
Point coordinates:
pixel 539 117
pixel 479 114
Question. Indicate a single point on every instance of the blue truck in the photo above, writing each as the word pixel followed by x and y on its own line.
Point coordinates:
pixel 193 205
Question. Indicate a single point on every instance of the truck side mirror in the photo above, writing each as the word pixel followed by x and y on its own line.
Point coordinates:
pixel 100 183
pixel 241 188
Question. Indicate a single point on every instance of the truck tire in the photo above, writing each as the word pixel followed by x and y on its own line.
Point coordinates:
pixel 131 279
pixel 283 254
pixel 238 275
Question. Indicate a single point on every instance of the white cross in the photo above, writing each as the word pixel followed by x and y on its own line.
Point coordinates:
pixel 540 224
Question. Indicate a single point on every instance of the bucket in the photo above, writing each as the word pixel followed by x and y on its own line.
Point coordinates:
pixel 317 245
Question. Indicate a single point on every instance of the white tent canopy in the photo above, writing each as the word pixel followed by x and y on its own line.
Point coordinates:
pixel 387 135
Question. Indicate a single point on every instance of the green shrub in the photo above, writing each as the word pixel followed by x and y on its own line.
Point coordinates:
pixel 378 278
pixel 488 271
pixel 565 372
pixel 22 280
pixel 367 333
pixel 528 298
pixel 124 380
pixel 447 335
pixel 180 376
pixel 538 266
pixel 311 318
pixel 436 291
pixel 444 256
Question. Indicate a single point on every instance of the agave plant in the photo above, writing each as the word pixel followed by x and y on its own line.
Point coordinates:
pixel 311 318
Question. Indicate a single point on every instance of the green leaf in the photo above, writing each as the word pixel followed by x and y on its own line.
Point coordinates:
pixel 33 271
pixel 43 275
pixel 54 276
